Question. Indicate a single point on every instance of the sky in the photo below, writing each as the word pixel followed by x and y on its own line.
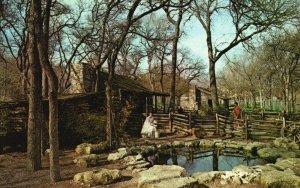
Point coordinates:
pixel 195 37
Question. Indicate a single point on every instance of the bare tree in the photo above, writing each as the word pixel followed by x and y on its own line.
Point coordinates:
pixel 176 23
pixel 248 18
pixel 130 58
pixel 14 34
pixel 41 37
pixel 155 36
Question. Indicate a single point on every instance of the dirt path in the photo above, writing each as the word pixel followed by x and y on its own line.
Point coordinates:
pixel 13 172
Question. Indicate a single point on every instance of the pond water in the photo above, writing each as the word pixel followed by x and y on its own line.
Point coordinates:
pixel 205 160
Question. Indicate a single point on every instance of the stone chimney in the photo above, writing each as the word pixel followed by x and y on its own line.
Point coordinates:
pixel 81 78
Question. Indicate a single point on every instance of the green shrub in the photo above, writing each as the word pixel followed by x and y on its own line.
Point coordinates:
pixel 78 128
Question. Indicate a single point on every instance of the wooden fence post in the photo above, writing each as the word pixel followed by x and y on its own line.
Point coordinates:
pixel 190 122
pixel 218 124
pixel 246 129
pixel 164 103
pixel 155 100
pixel 262 115
pixel 283 126
pixel 170 121
pixel 294 135
pixel 146 106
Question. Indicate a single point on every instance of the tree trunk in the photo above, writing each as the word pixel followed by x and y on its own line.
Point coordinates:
pixel 174 53
pixel 253 100
pixel 24 83
pixel 108 93
pixel 178 100
pixel 151 74
pixel 292 98
pixel 45 85
pixel 53 90
pixel 286 95
pixel 161 75
pixel 35 100
pixel 53 132
pixel 35 108
pixel 270 95
pixel 174 65
pixel 211 59
pixel 213 85
pixel 260 96
pixel 96 84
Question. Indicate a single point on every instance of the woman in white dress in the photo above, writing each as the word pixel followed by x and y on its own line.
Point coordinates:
pixel 149 127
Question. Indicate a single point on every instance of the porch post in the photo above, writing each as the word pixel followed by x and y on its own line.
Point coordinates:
pixel 218 124
pixel 283 127
pixel 146 106
pixel 246 129
pixel 164 102
pixel 155 98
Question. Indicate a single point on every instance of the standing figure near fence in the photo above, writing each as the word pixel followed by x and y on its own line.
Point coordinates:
pixel 149 128
pixel 236 114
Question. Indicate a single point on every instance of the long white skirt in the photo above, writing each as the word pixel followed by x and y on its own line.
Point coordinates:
pixel 148 128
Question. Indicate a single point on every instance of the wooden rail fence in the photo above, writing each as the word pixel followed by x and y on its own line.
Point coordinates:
pixel 264 115
pixel 227 127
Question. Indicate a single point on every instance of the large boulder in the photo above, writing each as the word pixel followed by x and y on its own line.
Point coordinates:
pixel 225 177
pixel 288 154
pixel 159 173
pixel 178 144
pixel 190 144
pixel 246 174
pixel 275 178
pixel 120 154
pixel 285 143
pixel 144 149
pixel 87 148
pixel 264 168
pixel 230 177
pixel 89 160
pixel 181 182
pixel 253 147
pixel 235 144
pixel 135 163
pixel 269 154
pixel 97 177
pixel 207 143
pixel 220 144
pixel 290 163
pixel 206 177
pixel 80 149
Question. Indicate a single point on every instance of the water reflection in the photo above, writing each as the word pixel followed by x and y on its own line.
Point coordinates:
pixel 205 160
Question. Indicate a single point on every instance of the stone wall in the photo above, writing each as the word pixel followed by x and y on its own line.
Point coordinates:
pixel 81 78
pixel 188 100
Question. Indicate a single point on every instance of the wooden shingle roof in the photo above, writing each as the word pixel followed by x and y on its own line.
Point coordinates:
pixel 127 84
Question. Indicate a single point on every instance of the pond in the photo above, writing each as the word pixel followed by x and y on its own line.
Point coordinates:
pixel 204 160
